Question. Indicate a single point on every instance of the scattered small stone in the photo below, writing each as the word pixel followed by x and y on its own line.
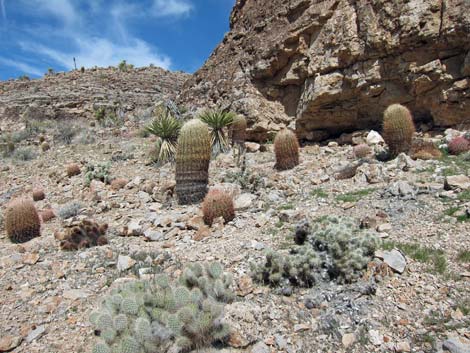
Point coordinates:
pixel 348 339
pixel 394 259
pixel 457 182
pixel 260 347
pixel 403 347
pixel 457 345
pixel 244 201
pixel 36 333
pixel 125 262
pixel 8 343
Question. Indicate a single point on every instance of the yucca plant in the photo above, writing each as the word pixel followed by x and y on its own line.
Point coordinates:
pixel 217 120
pixel 166 127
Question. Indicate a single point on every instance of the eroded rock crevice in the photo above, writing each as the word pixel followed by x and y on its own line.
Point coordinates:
pixel 326 67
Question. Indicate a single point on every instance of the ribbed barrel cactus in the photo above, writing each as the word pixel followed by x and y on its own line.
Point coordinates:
pixel 22 221
pixel 192 162
pixel 238 130
pixel 286 148
pixel 218 203
pixel 398 129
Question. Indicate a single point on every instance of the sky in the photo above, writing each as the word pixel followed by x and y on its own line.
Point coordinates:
pixel 36 35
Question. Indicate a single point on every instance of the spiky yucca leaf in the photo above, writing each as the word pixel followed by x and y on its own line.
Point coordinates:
pixel 166 128
pixel 217 120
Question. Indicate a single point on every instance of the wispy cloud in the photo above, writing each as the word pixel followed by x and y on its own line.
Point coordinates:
pixel 62 9
pixel 102 52
pixel 3 10
pixel 29 69
pixel 171 8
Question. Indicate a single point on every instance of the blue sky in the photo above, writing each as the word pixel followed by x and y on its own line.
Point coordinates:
pixel 175 34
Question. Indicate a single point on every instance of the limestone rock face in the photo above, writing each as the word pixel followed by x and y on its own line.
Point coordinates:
pixel 329 66
pixel 78 94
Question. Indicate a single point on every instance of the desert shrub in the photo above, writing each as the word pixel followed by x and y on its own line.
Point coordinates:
pixel 98 172
pixel 24 154
pixel 69 210
pixel 65 132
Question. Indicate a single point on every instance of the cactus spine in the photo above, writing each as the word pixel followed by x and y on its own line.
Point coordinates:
pixel 218 204
pixel 398 129
pixel 192 162
pixel 286 148
pixel 22 221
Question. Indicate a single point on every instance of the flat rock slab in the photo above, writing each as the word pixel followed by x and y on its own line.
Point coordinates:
pixel 457 345
pixel 457 182
pixel 394 259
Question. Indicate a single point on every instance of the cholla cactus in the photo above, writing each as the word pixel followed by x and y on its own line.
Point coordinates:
pixel 97 172
pixel 218 203
pixel 153 316
pixel 192 162
pixel 22 221
pixel 334 244
pixel 398 129
pixel 286 148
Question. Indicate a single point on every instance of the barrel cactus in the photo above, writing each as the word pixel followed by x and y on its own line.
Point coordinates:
pixel 458 145
pixel 218 203
pixel 192 162
pixel 398 129
pixel 238 130
pixel 286 148
pixel 22 221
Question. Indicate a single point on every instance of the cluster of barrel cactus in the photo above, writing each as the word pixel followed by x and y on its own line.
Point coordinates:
pixel 334 244
pixel 218 203
pixel 192 162
pixel 156 315
pixel 398 129
pixel 22 221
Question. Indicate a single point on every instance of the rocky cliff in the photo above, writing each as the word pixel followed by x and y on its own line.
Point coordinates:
pixel 77 94
pixel 325 67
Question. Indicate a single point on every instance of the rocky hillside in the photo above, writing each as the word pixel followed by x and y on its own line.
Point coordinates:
pixel 333 66
pixel 78 94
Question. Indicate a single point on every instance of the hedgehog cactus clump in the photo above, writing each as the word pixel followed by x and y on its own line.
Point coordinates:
pixel 398 129
pixel 73 169
pixel 22 221
pixel 286 148
pixel 192 162
pixel 218 203
pixel 38 194
pixel 84 234
pixel 158 315
pixel 458 145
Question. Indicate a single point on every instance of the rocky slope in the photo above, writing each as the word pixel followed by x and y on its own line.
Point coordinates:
pixel 331 66
pixel 78 94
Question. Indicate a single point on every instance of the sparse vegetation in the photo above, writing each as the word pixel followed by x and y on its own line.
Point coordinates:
pixel 355 196
pixel 218 121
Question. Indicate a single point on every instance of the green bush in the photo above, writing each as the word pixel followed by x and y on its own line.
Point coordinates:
pixel 218 120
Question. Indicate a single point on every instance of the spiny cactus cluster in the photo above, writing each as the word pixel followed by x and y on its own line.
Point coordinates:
pixel 458 145
pixel 286 148
pixel 298 268
pixel 156 315
pixel 398 129
pixel 345 250
pixel 335 245
pixel 217 203
pixel 97 172
pixel 84 234
pixel 192 162
pixel 22 221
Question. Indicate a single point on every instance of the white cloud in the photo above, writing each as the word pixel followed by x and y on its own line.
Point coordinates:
pixel 21 66
pixel 102 52
pixel 61 9
pixel 171 8
pixel 3 10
